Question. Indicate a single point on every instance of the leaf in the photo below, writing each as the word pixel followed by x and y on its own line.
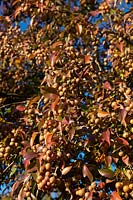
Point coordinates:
pixel 15 186
pixel 56 44
pixel 107 86
pixel 123 141
pixel 48 90
pixel 106 173
pixel 115 196
pixel 71 133
pixel 20 108
pixel 86 172
pixel 53 59
pixel 66 170
pixel 94 12
pixel 54 104
pixel 87 58
pixel 102 113
pixel 48 139
pixel 21 194
pixel 123 114
pixel 108 160
pixel 125 159
pixel 106 136
pixel 79 28
pixel 33 138
pixel 34 100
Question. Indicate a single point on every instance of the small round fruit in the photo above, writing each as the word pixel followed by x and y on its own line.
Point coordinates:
pixel 118 185
pixel 80 192
pixel 126 188
pixel 52 179
pixel 47 166
pixel 131 186
pixel 121 153
pixel 131 121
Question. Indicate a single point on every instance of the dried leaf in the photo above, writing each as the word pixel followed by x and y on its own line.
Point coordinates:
pixel 56 44
pixel 66 170
pixel 115 196
pixel 79 28
pixel 123 114
pixel 48 139
pixel 125 159
pixel 71 133
pixel 21 194
pixel 102 113
pixel 94 12
pixel 108 160
pixel 15 186
pixel 86 172
pixel 87 58
pixel 106 173
pixel 106 136
pixel 53 59
pixel 34 100
pixel 54 104
pixel 123 141
pixel 107 86
pixel 33 138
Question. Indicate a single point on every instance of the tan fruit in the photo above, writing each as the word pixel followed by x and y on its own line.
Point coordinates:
pixel 47 174
pixel 126 188
pixel 52 179
pixel 47 166
pixel 131 186
pixel 118 185
pixel 80 192
pixel 121 153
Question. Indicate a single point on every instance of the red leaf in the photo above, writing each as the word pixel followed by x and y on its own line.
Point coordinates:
pixel 20 108
pixel 66 170
pixel 125 159
pixel 123 114
pixel 15 186
pixel 107 86
pixel 123 141
pixel 106 136
pixel 102 113
pixel 115 196
pixel 106 173
pixel 86 172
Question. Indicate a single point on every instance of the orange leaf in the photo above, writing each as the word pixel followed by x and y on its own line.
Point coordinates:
pixel 106 136
pixel 102 113
pixel 56 44
pixel 53 59
pixel 107 85
pixel 48 139
pixel 79 28
pixel 125 159
pixel 87 59
pixel 115 196
pixel 66 170
pixel 33 138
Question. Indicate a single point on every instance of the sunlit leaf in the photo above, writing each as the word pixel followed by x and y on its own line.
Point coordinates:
pixel 33 137
pixel 48 139
pixel 106 173
pixel 86 173
pixel 71 133
pixel 57 44
pixel 66 170
pixel 88 59
pixel 102 113
pixel 115 196
pixel 79 28
pixel 53 59
pixel 21 194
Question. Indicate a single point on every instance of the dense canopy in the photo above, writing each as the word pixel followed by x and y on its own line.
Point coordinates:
pixel 66 99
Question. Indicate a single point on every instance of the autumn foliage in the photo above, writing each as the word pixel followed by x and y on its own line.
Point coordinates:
pixel 66 99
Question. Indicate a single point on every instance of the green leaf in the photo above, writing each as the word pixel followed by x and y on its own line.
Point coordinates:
pixel 106 173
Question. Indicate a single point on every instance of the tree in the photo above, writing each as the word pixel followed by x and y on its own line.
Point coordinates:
pixel 66 88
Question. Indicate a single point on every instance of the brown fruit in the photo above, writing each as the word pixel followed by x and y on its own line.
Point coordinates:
pixel 121 153
pixel 131 186
pixel 52 179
